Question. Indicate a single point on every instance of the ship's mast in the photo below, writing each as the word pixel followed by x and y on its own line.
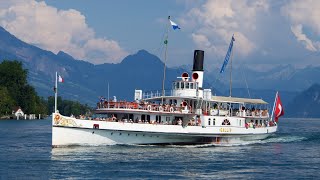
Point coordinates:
pixel 274 104
pixel 56 94
pixel 165 58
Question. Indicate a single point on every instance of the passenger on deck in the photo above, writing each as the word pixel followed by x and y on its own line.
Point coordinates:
pixel 199 121
pixel 251 124
pixel 113 118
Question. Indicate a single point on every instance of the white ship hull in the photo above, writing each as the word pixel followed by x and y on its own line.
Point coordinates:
pixel 70 131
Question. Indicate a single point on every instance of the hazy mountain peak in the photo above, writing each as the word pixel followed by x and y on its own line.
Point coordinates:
pixel 64 55
pixel 142 57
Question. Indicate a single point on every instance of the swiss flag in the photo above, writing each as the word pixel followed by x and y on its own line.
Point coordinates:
pixel 279 111
pixel 60 79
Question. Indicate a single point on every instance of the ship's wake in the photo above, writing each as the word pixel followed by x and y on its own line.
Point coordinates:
pixel 279 138
pixel 237 142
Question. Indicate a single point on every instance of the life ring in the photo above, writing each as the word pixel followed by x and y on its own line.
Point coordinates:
pixel 184 103
pixel 160 108
pixel 171 109
pixel 56 117
pixel 149 107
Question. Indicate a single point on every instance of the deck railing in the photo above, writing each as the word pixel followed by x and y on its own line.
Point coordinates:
pixel 155 94
pixel 143 106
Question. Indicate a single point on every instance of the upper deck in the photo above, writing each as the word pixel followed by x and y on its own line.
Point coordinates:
pixel 175 105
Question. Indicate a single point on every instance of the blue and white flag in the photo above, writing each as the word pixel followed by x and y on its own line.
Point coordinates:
pixel 226 59
pixel 174 25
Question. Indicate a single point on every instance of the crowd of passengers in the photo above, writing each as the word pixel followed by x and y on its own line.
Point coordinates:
pixel 191 122
pixel 256 124
pixel 142 105
pixel 254 113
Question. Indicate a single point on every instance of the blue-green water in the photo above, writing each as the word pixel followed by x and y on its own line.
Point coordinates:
pixel 292 153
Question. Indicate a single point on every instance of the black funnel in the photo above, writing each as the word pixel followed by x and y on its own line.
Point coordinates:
pixel 198 60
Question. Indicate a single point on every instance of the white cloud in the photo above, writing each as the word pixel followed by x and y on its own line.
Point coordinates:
pixel 57 30
pixel 215 21
pixel 201 40
pixel 98 48
pixel 297 31
pixel 305 19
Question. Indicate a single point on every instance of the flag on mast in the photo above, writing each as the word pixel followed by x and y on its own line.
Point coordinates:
pixel 278 111
pixel 174 25
pixel 60 79
pixel 226 59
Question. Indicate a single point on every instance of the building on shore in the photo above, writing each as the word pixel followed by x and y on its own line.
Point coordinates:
pixel 18 113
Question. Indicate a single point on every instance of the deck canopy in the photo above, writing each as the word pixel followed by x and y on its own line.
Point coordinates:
pixel 237 100
pixel 169 97
pixel 215 99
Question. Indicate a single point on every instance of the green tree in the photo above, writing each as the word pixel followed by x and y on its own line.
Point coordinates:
pixel 15 91
pixel 14 79
pixel 6 102
pixel 67 107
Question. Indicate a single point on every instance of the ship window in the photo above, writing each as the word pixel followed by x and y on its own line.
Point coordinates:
pixel 158 119
pixel 177 85
pixel 182 85
pixel 187 85
pixel 143 117
pixel 167 119
pixel 130 117
pixel 175 101
pixel 209 122
pixel 191 85
pixel 214 121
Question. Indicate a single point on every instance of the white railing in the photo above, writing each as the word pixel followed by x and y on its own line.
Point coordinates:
pixel 155 94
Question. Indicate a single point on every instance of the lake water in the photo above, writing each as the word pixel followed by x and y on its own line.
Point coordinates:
pixel 292 153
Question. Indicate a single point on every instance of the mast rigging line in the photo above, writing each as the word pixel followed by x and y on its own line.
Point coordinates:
pixel 165 59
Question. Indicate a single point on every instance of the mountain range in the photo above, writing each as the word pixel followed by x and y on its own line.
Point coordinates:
pixel 306 104
pixel 86 82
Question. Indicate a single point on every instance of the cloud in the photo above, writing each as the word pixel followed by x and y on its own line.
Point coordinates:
pixel 304 17
pixel 58 30
pixel 201 40
pixel 215 21
pixel 297 31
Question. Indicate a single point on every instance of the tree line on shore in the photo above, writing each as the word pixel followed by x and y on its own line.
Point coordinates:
pixel 15 92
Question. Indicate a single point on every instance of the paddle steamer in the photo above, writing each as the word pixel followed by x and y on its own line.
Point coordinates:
pixel 188 114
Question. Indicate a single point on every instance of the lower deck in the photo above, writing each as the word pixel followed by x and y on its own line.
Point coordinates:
pixel 182 119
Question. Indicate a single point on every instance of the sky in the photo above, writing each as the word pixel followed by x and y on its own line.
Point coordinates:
pixel 267 32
